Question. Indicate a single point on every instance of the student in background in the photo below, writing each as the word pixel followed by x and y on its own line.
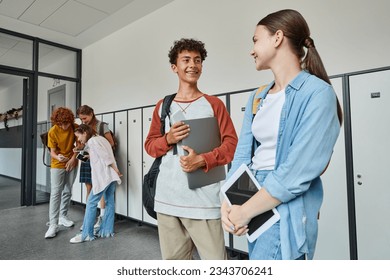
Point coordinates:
pixel 189 218
pixel 105 177
pixel 87 116
pixel 296 127
pixel 63 171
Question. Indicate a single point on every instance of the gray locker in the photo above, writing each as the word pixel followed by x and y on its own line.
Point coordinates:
pixel 147 160
pixel 370 103
pixel 78 190
pixel 134 164
pixel 333 218
pixel 237 110
pixel 121 159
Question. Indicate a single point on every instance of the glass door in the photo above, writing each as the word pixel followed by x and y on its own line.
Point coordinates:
pixel 13 88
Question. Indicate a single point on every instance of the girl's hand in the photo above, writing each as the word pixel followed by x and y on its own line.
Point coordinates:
pixel 226 223
pixel 238 218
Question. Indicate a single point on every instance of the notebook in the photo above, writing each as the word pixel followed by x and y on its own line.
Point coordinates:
pixel 204 137
pixel 240 187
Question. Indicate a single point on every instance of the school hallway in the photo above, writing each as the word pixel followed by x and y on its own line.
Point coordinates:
pixel 23 229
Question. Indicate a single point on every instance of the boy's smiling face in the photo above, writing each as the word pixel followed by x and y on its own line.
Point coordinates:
pixel 188 66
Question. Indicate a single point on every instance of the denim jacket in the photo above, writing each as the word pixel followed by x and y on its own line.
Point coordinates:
pixel 308 131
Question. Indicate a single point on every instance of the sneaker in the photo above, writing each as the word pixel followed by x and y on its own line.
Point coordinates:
pixel 96 227
pixel 52 231
pixel 79 239
pixel 64 221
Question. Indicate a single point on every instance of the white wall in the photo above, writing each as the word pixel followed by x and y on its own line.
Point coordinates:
pixel 131 68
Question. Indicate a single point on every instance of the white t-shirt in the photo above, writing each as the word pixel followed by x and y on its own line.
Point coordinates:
pixel 265 129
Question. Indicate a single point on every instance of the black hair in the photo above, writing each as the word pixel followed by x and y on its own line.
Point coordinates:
pixel 186 45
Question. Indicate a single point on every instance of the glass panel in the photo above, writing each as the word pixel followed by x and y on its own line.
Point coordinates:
pixel 15 51
pixel 11 130
pixel 52 93
pixel 57 61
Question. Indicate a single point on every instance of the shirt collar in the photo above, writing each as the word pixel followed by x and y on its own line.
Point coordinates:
pixel 298 81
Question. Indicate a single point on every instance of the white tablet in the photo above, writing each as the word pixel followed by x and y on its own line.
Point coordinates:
pixel 239 188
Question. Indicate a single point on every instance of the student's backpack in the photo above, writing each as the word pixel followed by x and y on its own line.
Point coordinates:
pixel 150 178
pixel 101 133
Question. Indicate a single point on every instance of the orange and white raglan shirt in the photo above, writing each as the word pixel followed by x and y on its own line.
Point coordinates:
pixel 173 196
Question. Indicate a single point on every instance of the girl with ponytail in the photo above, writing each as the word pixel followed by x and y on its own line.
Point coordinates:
pixel 288 143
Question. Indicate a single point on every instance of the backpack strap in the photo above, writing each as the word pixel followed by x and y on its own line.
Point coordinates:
pixel 255 105
pixel 256 100
pixel 44 156
pixel 165 109
pixel 101 128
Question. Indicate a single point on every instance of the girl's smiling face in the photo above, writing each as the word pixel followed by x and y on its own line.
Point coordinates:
pixel 263 48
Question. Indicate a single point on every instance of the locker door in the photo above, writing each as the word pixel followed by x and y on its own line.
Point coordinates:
pixel 333 235
pixel 121 159
pixel 226 234
pixel 237 110
pixel 370 103
pixel 147 160
pixel 134 165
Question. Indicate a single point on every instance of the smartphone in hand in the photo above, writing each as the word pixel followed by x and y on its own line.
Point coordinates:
pixel 83 156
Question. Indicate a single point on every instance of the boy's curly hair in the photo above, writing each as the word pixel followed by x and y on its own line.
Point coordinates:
pixel 62 115
pixel 186 45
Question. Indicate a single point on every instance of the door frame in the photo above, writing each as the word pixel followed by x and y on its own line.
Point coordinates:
pixel 50 92
pixel 28 139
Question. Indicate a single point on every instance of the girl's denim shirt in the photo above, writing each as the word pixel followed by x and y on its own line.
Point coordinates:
pixel 308 131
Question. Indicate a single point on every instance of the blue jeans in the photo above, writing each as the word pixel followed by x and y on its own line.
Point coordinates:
pixel 60 192
pixel 107 226
pixel 267 246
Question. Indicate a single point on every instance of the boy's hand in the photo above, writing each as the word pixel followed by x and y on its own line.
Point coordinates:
pixel 177 132
pixel 192 161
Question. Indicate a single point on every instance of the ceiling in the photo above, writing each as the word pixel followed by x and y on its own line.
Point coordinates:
pixel 75 23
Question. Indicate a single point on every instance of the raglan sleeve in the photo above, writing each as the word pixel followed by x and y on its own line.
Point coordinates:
pixel 224 153
pixel 156 144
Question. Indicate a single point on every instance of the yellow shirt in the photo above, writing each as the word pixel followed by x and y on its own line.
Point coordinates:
pixel 63 141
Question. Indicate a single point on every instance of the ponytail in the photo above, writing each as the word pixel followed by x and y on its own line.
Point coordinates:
pixel 313 64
